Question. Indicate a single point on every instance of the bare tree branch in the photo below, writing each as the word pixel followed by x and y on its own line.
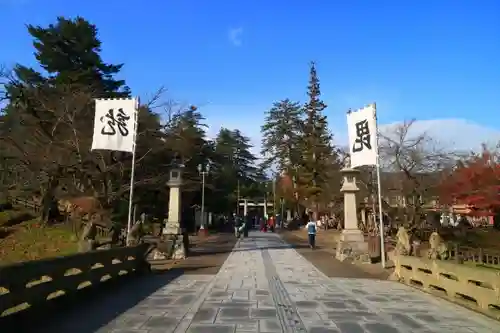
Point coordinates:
pixel 412 164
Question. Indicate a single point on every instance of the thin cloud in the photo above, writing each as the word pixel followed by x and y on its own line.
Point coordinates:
pixel 234 36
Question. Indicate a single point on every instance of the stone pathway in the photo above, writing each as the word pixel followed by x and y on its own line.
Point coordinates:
pixel 266 286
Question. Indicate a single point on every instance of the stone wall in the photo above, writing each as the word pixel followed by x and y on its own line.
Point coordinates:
pixel 33 284
pixel 472 286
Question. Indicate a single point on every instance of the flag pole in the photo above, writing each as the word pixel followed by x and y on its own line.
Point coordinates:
pixel 238 199
pixel 132 172
pixel 380 215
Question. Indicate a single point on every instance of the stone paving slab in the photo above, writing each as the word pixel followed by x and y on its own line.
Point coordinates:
pixel 240 300
pixel 363 305
pixel 164 310
pixel 265 286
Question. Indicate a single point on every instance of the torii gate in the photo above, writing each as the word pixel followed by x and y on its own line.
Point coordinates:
pixel 245 203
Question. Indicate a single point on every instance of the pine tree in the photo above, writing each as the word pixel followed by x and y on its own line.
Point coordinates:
pixel 46 132
pixel 316 145
pixel 74 73
pixel 54 108
pixel 281 136
pixel 235 166
pixel 69 52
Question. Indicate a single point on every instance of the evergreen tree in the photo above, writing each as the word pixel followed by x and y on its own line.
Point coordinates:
pixel 46 132
pixel 243 159
pixel 235 167
pixel 55 109
pixel 281 136
pixel 69 52
pixel 316 145
pixel 186 136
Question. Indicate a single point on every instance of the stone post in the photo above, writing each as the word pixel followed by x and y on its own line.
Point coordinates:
pixel 245 207
pixel 173 224
pixel 351 244
pixel 363 218
pixel 172 232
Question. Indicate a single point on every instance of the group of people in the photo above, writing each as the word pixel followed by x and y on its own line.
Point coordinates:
pixel 311 227
pixel 241 226
pixel 268 224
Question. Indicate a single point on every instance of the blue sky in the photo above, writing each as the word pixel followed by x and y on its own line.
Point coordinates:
pixel 417 59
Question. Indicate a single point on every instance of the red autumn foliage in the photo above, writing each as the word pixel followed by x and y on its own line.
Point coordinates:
pixel 476 183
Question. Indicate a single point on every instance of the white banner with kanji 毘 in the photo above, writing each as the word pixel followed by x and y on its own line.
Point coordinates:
pixel 362 131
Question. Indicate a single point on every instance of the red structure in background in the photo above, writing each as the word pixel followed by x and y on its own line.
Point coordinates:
pixel 475 184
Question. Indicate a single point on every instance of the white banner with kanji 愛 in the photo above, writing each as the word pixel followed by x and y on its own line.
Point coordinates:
pixel 115 124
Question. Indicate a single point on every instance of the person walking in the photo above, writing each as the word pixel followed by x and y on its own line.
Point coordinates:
pixel 237 225
pixel 311 232
pixel 262 224
pixel 272 222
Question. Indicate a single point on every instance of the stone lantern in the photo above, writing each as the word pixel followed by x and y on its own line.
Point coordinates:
pixel 173 224
pixel 172 232
pixel 350 188
pixel 175 179
pixel 351 243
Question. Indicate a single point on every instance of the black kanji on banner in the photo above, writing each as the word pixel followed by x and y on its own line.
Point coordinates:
pixel 363 137
pixel 112 123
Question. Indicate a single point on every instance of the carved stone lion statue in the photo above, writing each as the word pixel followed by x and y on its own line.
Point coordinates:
pixel 438 248
pixel 115 232
pixel 136 233
pixel 403 244
pixel 87 241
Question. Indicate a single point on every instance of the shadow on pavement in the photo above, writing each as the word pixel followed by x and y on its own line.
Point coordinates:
pixel 321 257
pixel 279 244
pixel 89 310
pixel 252 248
pixel 324 260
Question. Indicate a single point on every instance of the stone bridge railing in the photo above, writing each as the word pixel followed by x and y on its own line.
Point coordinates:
pixel 33 284
pixel 470 285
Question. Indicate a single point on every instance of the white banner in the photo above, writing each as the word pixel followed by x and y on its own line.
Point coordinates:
pixel 115 124
pixel 362 130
